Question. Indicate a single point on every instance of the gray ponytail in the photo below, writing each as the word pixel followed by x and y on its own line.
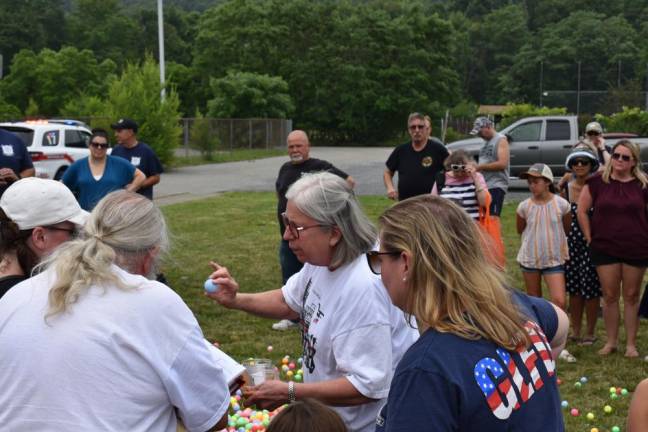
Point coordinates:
pixel 121 230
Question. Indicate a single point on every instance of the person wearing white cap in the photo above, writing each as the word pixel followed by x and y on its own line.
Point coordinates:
pixel 543 221
pixel 493 163
pixel 36 216
pixel 594 136
pixel 92 344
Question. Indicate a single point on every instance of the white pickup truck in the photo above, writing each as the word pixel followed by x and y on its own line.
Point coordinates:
pixel 546 139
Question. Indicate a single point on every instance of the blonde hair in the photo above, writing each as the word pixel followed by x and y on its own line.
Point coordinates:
pixel 637 172
pixel 121 230
pixel 452 287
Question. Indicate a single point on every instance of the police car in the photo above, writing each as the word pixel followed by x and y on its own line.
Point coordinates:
pixel 52 144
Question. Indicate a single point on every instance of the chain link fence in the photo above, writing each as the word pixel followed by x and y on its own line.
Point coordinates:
pixel 231 134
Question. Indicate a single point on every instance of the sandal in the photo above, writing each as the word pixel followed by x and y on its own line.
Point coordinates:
pixel 607 350
pixel 588 340
pixel 566 356
pixel 631 353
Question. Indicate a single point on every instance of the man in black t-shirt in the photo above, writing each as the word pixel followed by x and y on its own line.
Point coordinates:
pixel 291 171
pixel 418 162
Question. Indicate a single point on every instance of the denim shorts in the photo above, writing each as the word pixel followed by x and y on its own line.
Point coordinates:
pixel 546 270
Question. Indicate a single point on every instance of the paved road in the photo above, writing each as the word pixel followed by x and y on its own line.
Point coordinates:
pixel 365 164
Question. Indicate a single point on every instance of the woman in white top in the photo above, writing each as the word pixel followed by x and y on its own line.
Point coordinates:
pixel 352 335
pixel 91 344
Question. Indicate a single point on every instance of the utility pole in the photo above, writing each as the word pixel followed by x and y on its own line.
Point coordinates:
pixel 578 90
pixel 541 78
pixel 161 46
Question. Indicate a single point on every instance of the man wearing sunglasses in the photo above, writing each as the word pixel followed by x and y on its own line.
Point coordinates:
pixel 300 163
pixel 594 135
pixel 417 162
pixel 141 155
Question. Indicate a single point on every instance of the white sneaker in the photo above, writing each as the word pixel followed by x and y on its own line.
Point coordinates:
pixel 283 325
pixel 566 356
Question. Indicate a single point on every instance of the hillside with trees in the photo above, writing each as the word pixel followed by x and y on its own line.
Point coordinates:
pixel 347 70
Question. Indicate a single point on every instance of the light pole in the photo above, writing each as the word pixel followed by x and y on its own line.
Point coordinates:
pixel 161 45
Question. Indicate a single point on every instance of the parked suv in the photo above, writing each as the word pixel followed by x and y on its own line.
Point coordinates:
pixel 53 144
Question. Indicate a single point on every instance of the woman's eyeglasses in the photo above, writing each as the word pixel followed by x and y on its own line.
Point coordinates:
pixel 619 156
pixel 294 228
pixel 374 260
pixel 99 145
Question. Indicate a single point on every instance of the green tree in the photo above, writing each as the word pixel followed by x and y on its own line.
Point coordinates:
pixel 354 70
pixel 179 33
pixel 53 78
pixel 136 94
pixel 245 95
pixel 30 24
pixel 103 27
pixel 599 43
pixel 203 137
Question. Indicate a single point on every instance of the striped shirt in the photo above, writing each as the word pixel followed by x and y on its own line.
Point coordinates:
pixel 544 242
pixel 463 192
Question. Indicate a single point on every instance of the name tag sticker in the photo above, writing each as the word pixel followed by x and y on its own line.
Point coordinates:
pixel 7 150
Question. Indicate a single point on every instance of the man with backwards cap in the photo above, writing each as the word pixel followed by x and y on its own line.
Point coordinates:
pixel 36 216
pixel 493 163
pixel 138 153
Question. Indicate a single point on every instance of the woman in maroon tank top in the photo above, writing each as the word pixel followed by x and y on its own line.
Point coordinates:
pixel 617 233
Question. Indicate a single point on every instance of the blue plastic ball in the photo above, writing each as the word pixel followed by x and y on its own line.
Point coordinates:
pixel 583 380
pixel 564 404
pixel 210 286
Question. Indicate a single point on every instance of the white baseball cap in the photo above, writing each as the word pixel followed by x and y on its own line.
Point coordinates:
pixel 32 202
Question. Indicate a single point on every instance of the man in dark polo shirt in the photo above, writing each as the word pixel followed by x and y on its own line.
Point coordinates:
pixel 138 154
pixel 291 171
pixel 418 162
pixel 15 162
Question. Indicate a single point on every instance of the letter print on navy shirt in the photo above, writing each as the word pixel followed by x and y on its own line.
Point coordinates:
pixel 513 378
pixel 309 341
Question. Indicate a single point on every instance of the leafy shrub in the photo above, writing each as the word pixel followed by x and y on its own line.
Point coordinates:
pixel 202 136
pixel 633 120
pixel 514 112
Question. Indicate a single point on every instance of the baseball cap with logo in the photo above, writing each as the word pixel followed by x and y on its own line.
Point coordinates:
pixel 594 127
pixel 32 202
pixel 538 170
pixel 480 122
pixel 125 123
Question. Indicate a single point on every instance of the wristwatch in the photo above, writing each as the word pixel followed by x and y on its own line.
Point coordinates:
pixel 291 392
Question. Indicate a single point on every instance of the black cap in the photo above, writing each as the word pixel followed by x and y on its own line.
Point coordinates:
pixel 125 123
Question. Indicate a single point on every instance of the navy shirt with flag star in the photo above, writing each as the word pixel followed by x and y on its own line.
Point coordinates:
pixel 447 383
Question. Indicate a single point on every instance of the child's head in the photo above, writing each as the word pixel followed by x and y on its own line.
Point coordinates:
pixel 307 415
pixel 582 161
pixel 540 179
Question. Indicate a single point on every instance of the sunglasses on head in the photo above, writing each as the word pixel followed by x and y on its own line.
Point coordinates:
pixel 458 167
pixel 99 145
pixel 619 156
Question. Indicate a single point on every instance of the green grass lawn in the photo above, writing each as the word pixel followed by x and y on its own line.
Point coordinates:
pixel 240 231
pixel 226 156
